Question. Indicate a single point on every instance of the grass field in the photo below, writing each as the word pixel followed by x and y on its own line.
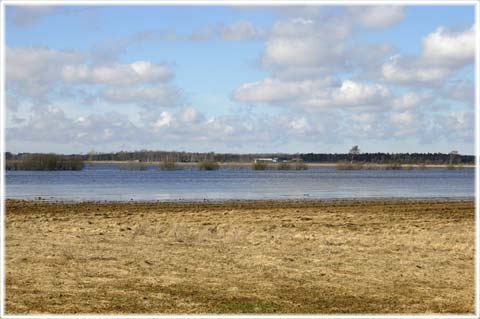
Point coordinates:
pixel 240 257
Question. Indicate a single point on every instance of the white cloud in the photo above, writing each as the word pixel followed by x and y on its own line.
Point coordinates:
pixel 402 118
pixel 456 126
pixel 405 71
pixel 354 93
pixel 165 119
pixel 118 74
pixel 443 52
pixel 158 96
pixel 39 63
pixel 24 16
pixel 377 16
pixel 313 94
pixel 43 74
pixel 241 30
pixel 273 90
pixel 450 47
pixel 410 100
pixel 461 90
pixel 301 47
pixel 190 115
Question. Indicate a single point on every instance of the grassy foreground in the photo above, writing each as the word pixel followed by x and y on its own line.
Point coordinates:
pixel 240 257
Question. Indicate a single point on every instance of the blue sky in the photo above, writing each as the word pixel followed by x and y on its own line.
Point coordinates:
pixel 240 79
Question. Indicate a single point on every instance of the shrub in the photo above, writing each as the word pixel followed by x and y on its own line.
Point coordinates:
pixel 283 166
pixel 133 166
pixel 300 166
pixel 259 166
pixel 344 165
pixel 46 162
pixel 453 166
pixel 395 166
pixel 168 166
pixel 208 166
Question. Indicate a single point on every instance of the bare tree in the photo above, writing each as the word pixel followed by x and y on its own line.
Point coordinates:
pixel 355 150
pixel 453 155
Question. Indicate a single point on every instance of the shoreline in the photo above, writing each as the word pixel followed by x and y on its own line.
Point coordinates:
pixel 297 257
pixel 372 165
pixel 293 201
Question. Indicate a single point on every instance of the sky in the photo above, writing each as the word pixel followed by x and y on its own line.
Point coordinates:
pixel 244 79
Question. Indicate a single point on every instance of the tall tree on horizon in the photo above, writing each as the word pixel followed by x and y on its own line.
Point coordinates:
pixel 355 150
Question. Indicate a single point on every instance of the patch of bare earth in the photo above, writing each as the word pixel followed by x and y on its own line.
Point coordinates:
pixel 240 257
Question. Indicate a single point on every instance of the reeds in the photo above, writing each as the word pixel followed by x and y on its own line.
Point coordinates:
pixel 344 165
pixel 453 166
pixel 133 166
pixel 46 162
pixel 393 166
pixel 300 166
pixel 168 166
pixel 208 166
pixel 259 166
pixel 284 166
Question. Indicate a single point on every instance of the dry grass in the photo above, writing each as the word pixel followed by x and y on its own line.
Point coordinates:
pixel 240 257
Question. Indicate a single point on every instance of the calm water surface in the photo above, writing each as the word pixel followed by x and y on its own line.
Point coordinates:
pixel 107 182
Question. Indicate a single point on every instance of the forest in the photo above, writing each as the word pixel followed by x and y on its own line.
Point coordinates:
pixel 193 157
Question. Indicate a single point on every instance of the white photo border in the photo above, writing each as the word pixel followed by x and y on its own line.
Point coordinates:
pixel 5 3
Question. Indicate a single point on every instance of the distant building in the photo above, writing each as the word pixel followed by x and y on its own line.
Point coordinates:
pixel 266 160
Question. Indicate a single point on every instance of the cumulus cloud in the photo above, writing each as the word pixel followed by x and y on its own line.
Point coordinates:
pixel 456 126
pixel 152 96
pixel 406 70
pixel 449 46
pixel 35 70
pixel 88 130
pixel 443 52
pixel 274 90
pixel 313 94
pixel 303 43
pixel 118 74
pixel 377 16
pixel 240 30
pixel 461 90
pixel 108 50
pixel 24 16
pixel 40 74
pixel 410 100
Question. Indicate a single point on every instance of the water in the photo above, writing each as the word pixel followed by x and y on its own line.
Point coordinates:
pixel 105 182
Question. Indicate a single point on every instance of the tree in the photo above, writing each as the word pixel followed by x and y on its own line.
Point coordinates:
pixel 355 150
pixel 453 155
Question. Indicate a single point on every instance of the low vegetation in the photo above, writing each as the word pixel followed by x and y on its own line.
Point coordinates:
pixel 454 166
pixel 208 166
pixel 46 162
pixel 133 166
pixel 259 166
pixel 168 165
pixel 394 166
pixel 345 165
pixel 283 166
pixel 300 166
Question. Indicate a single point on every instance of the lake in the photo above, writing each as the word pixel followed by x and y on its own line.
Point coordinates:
pixel 99 182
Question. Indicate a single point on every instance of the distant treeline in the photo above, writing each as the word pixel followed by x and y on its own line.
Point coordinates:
pixel 44 162
pixel 160 156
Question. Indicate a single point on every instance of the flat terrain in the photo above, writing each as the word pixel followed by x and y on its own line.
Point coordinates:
pixel 240 257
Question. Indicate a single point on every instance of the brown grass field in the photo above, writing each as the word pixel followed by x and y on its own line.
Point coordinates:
pixel 394 256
